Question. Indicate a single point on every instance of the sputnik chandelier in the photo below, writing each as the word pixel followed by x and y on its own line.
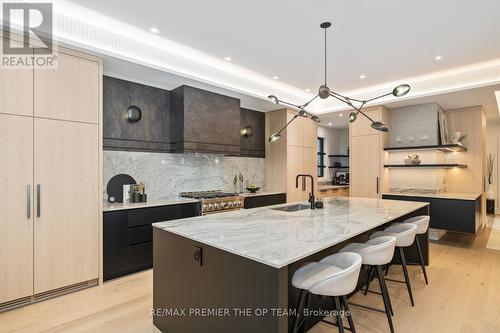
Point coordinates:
pixel 324 92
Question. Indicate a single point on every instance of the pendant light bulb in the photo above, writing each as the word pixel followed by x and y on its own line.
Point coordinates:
pixel 379 126
pixel 273 99
pixel 275 137
pixel 316 119
pixel 401 90
pixel 352 117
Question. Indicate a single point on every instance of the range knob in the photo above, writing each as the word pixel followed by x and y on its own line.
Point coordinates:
pixel 216 205
pixel 225 204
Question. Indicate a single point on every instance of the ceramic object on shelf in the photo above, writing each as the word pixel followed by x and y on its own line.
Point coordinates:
pixel 413 160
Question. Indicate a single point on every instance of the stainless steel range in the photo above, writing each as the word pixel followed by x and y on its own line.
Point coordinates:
pixel 216 201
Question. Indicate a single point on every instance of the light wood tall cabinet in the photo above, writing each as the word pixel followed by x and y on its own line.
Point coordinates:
pixel 368 179
pixel 51 154
pixel 295 153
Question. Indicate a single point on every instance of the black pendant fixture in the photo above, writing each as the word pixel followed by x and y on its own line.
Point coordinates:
pixel 324 92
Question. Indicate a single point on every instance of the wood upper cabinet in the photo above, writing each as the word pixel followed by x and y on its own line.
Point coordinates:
pixel 364 166
pixel 70 92
pixel 66 161
pixel 310 133
pixel 16 207
pixel 16 90
pixel 362 125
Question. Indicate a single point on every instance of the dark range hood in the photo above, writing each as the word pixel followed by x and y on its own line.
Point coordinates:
pixel 203 121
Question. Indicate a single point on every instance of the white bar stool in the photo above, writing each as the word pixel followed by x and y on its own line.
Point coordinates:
pixel 405 236
pixel 422 223
pixel 336 279
pixel 375 253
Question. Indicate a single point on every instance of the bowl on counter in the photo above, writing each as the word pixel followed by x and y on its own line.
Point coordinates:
pixel 253 189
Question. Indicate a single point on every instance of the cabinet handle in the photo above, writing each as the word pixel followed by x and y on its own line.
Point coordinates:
pixel 377 184
pixel 38 204
pixel 28 201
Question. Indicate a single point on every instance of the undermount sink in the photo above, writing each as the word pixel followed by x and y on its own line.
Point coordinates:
pixel 293 208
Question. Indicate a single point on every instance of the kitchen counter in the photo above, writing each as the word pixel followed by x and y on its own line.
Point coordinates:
pixel 328 187
pixel 278 238
pixel 443 195
pixel 109 207
pixel 246 259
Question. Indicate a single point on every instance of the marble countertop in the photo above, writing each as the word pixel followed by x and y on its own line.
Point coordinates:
pixel 278 238
pixel 443 195
pixel 109 207
pixel 327 187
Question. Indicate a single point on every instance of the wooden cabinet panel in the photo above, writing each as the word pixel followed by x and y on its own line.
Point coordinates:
pixel 16 227
pixel 16 90
pixel 295 166
pixel 310 134
pixel 362 125
pixel 70 92
pixel 66 230
pixel 365 166
pixel 295 131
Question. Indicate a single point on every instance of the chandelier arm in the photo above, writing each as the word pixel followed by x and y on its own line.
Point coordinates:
pixel 325 60
pixel 289 104
pixel 303 106
pixel 374 98
pixel 346 98
pixel 341 98
pixel 288 123
pixel 364 114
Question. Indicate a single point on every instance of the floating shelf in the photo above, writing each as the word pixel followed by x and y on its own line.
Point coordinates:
pixel 452 147
pixel 442 166
pixel 340 167
pixel 338 155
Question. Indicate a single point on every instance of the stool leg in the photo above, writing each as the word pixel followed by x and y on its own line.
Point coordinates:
pixel 349 315
pixel 419 250
pixel 387 292
pixel 405 271
pixel 380 275
pixel 300 310
pixel 340 323
pixel 387 269
pixel 368 280
pixel 302 327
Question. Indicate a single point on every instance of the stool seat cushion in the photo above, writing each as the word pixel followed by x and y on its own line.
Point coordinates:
pixel 422 223
pixel 377 251
pixel 343 282
pixel 312 273
pixel 404 232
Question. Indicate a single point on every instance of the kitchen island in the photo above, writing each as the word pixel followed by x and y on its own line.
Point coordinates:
pixel 231 271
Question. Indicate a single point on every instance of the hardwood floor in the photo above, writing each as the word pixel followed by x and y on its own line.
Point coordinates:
pixel 463 295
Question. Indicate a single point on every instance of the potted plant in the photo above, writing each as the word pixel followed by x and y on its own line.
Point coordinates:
pixel 413 160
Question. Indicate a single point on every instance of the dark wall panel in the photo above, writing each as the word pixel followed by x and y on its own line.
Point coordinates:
pixel 151 133
pixel 253 146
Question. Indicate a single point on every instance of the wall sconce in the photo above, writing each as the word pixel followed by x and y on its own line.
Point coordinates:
pixel 134 114
pixel 246 131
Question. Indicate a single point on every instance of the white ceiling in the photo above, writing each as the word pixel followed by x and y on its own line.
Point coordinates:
pixel 387 40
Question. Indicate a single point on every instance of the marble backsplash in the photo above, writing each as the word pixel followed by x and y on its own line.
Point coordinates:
pixel 165 175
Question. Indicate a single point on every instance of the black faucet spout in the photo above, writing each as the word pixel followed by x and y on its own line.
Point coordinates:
pixel 312 199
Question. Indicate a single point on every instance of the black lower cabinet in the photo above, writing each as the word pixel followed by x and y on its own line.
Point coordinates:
pixel 128 236
pixel 449 214
pixel 264 200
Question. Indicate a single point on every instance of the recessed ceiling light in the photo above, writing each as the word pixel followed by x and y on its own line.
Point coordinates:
pixel 154 30
pixel 329 124
pixel 341 115
pixel 276 77
pixel 437 58
pixel 228 58
pixel 308 90
pixel 362 77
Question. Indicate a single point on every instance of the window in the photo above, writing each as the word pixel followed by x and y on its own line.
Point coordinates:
pixel 321 157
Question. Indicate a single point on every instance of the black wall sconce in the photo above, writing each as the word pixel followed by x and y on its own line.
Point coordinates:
pixel 134 114
pixel 246 131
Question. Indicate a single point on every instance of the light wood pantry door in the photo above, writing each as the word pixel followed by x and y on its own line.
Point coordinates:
pixel 16 89
pixel 69 92
pixel 295 166
pixel 365 166
pixel 67 214
pixel 16 209
pixel 311 166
